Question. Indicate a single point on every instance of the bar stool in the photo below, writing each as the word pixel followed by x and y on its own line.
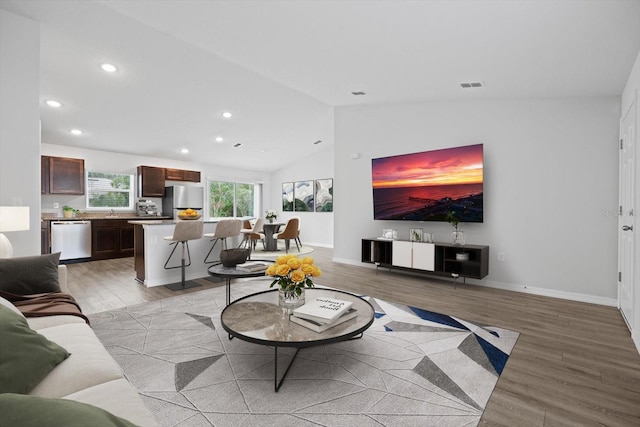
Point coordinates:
pixel 182 233
pixel 225 228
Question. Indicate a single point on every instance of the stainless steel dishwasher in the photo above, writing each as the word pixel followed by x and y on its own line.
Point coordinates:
pixel 71 238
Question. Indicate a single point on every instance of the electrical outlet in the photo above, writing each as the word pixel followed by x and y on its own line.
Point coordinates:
pixel 56 205
pixel 502 256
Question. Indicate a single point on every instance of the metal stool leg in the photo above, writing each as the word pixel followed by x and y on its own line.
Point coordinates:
pixel 183 284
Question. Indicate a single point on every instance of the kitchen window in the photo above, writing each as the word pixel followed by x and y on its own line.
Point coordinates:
pixel 233 199
pixel 110 191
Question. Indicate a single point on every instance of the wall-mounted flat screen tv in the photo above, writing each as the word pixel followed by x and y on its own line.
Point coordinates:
pixel 426 186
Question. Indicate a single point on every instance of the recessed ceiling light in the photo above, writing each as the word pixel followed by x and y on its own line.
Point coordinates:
pixel 237 144
pixel 53 103
pixel 184 151
pixel 219 139
pixel 76 131
pixel 109 68
pixel 227 115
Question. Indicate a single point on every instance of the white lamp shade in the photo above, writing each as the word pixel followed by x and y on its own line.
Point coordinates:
pixel 14 218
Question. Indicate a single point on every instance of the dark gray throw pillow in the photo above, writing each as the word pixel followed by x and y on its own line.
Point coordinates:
pixel 30 274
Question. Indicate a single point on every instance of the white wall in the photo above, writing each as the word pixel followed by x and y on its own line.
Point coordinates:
pixel 630 94
pixel 316 228
pixel 96 160
pixel 20 125
pixel 551 179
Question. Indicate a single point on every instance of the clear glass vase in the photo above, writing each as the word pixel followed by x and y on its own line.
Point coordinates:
pixel 457 237
pixel 289 300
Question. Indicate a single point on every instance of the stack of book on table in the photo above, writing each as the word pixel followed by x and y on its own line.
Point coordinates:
pixel 253 266
pixel 322 313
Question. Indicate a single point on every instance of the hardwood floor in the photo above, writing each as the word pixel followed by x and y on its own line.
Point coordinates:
pixel 573 365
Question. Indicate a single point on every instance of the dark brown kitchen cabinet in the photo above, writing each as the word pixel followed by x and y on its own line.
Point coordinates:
pixel 111 238
pixel 61 175
pixel 151 181
pixel 192 176
pixel 181 175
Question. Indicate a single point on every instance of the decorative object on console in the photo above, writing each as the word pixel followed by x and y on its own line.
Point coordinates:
pixel 12 218
pixel 458 235
pixel 415 234
pixel 292 275
pixel 389 233
pixel 233 257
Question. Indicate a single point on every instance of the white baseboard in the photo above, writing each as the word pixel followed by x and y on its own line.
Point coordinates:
pixel 592 299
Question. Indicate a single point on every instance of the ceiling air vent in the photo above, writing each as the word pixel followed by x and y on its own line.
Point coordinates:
pixel 358 93
pixel 467 85
pixel 237 144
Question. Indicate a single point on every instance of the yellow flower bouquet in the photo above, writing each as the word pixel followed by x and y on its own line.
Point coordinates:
pixel 293 274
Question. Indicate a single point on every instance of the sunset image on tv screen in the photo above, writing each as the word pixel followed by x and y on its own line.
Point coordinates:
pixel 426 186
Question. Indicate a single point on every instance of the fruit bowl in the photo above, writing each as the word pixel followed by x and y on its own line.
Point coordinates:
pixel 189 214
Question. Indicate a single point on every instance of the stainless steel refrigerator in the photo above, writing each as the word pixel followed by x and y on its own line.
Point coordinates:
pixel 181 197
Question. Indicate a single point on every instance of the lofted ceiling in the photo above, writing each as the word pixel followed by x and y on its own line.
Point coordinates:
pixel 282 66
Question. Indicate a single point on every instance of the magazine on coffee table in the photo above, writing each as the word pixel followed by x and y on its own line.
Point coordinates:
pixel 321 327
pixel 322 310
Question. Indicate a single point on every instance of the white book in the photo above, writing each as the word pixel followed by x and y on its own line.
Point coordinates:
pixel 321 327
pixel 322 310
pixel 252 266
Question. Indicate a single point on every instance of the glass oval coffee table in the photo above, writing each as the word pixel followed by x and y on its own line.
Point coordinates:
pixel 258 319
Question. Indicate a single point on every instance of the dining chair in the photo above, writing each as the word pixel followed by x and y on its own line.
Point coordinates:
pixel 251 236
pixel 299 225
pixel 289 233
pixel 224 229
pixel 182 233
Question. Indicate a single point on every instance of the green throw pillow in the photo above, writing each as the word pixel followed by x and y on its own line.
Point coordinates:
pixel 26 357
pixel 30 275
pixel 26 411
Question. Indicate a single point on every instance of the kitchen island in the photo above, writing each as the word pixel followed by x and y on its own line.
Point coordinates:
pixel 151 252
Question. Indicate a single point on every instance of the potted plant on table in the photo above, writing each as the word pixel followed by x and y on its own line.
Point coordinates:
pixel 270 215
pixel 292 275
pixel 69 212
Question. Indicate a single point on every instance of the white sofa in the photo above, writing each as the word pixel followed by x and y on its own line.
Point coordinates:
pixel 90 375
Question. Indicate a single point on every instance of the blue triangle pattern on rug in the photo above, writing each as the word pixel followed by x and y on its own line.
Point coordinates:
pixel 379 315
pixel 443 319
pixel 496 356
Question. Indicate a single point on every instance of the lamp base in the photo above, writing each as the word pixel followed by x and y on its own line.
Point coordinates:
pixel 6 250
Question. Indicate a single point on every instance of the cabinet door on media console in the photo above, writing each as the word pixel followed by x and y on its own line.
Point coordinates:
pixel 424 255
pixel 416 255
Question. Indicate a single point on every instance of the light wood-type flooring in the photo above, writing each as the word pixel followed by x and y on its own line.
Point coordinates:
pixel 573 365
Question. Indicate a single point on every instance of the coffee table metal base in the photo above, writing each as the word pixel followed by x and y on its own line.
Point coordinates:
pixel 276 383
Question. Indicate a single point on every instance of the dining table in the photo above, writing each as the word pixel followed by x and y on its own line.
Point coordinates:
pixel 269 229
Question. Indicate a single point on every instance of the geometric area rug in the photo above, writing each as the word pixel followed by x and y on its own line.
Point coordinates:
pixel 412 367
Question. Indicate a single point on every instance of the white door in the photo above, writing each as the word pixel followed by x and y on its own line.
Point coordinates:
pixel 625 223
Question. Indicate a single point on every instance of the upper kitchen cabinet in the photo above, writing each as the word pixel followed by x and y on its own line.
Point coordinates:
pixel 181 175
pixel 150 181
pixel 62 175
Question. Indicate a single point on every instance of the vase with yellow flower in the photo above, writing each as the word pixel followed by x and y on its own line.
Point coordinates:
pixel 292 275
